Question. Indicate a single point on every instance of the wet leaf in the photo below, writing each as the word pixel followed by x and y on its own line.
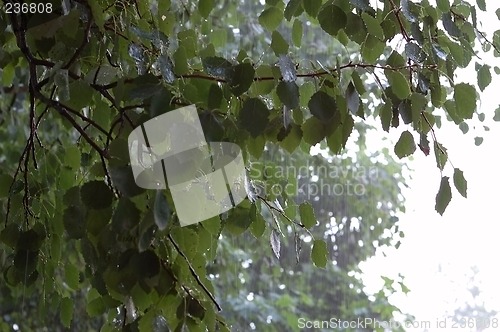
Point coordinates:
pixel 319 253
pixel 287 68
pixel 254 116
pixel 166 68
pixel 162 212
pixel 275 243
pixel 288 93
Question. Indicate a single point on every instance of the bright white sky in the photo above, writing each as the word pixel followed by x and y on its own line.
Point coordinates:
pixel 438 252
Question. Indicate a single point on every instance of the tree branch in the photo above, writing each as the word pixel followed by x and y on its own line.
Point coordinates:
pixel 194 274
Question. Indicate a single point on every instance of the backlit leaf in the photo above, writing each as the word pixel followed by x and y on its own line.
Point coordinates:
pixel 297 32
pixel 373 26
pixel 205 7
pixel 307 216
pixel 319 253
pixel 278 44
pixel 312 7
pixel 331 19
pixel 66 311
pixel 399 84
pixel 271 18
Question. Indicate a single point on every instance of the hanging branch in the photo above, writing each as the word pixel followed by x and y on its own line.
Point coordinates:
pixel 194 274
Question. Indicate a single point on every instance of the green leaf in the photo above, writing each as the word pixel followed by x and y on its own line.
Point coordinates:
pixel 10 235
pixel 123 180
pixel 460 182
pixel 405 145
pixel 71 276
pixel 146 264
pixel 372 48
pixel 297 32
pixel 271 18
pixel 278 44
pixel 217 67
pixel 496 117
pixel 312 7
pixel 72 157
pixel 292 139
pixel 258 226
pixel 399 84
pixel 288 93
pixel 386 116
pixel 450 26
pixel 161 211
pixel 319 253
pixel 373 26
pixel 96 195
pixel 444 5
pixel 465 98
pixel 5 183
pixel 307 216
pixel 481 4
pixel 322 106
pixel 254 116
pixel 275 242
pixel 352 98
pixel 443 196
pixel 181 66
pixel 292 8
pixel 414 52
pixel 74 222
pixel 125 216
pixel 96 307
pixel 205 7
pixel 441 155
pixel 483 77
pixel 478 141
pixel 313 131
pixel 81 95
pixel 464 127
pixel 241 78
pixel 358 83
pixel 331 19
pixel 404 109
pixel 66 311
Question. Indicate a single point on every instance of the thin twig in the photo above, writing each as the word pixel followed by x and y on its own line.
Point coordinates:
pixel 194 274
